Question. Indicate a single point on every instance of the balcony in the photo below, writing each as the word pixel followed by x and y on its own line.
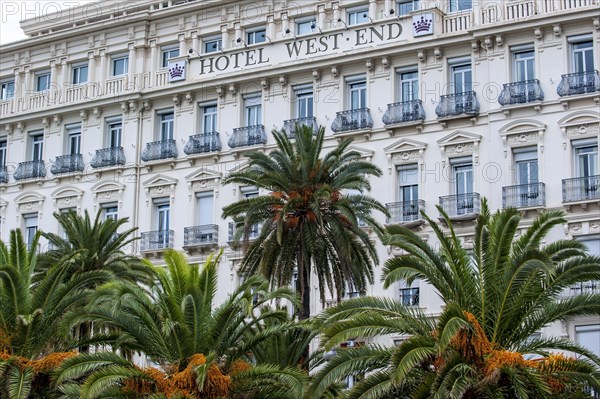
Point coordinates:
pixel 108 157
pixel 588 287
pixel 527 91
pixel 252 234
pixel 354 119
pixel 157 150
pixel 67 164
pixel 404 112
pixel 457 105
pixel 409 296
pixel 3 174
pixel 247 136
pixel 407 212
pixel 203 143
pixel 30 170
pixel 201 236
pixel 579 83
pixel 524 196
pixel 158 240
pixel 461 206
pixel 290 125
pixel 581 189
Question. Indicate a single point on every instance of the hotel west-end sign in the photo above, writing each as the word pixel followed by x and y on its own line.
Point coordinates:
pixel 299 49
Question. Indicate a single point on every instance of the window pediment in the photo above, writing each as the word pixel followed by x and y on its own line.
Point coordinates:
pixel 580 124
pixel 68 196
pixel 363 153
pixel 523 132
pixel 29 201
pixel 160 186
pixel 460 143
pixel 203 180
pixel 405 151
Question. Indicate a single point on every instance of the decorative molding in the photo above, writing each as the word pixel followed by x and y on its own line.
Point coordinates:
pixel 203 180
pixel 107 191
pixel 522 132
pixel 67 197
pixel 160 186
pixel 579 124
pixel 405 150
pixel 460 143
pixel 29 202
pixel 364 153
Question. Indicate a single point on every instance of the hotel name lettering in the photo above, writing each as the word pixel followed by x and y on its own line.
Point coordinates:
pixel 301 48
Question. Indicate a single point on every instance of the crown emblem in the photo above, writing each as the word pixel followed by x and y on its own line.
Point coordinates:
pixel 422 25
pixel 176 71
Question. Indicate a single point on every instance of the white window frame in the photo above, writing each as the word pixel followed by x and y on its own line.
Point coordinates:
pixel 110 210
pixel 162 121
pixel 76 73
pixel 37 145
pixel 453 5
pixel 414 3
pixel 28 223
pixel 114 124
pixel 113 60
pixel 311 21
pixel 573 42
pixel 199 211
pixel 167 50
pixel 351 83
pixel 579 144
pixel 38 76
pixel 3 151
pixel 253 101
pixel 304 93
pixel 212 116
pixel 73 133
pixel 5 92
pixel 356 11
pixel 252 35
pixel 211 40
pixel 414 83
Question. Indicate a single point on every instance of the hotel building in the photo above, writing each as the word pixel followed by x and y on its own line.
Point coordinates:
pixel 139 109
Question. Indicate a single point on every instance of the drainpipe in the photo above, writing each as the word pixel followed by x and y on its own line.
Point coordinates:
pixel 138 154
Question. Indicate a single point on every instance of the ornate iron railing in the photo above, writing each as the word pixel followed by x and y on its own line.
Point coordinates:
pixel 581 188
pixel 30 170
pixel 587 287
pixel 233 231
pixel 527 91
pixel 201 143
pixel 154 240
pixel 67 164
pixel 524 195
pixel 457 104
pixel 354 119
pixel 108 157
pixel 579 83
pixel 159 150
pixel 201 235
pixel 407 111
pixel 247 136
pixel 290 125
pixel 409 296
pixel 3 174
pixel 404 212
pixel 461 204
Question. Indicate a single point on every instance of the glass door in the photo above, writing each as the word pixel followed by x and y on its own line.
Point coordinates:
pixel 358 95
pixel 166 127
pixel 163 215
pixel 209 119
pixel 587 170
pixel 37 147
pixel 463 187
pixel 409 86
pixel 583 57
pixel 304 105
pixel 114 138
pixel 462 78
pixel 409 193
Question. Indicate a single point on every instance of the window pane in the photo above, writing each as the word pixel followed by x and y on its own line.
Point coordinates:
pixel 305 27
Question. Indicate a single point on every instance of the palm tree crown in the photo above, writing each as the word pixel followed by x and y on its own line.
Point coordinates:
pixel 310 215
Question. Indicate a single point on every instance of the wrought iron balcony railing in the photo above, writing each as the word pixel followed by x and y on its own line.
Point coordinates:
pixel 527 91
pixel 201 235
pixel 30 170
pixel 67 164
pixel 579 83
pixel 407 111
pixel 581 188
pixel 252 234
pixel 405 212
pixel 588 287
pixel 409 296
pixel 3 174
pixel 354 119
pixel 524 195
pixel 164 149
pixel 156 240
pixel 108 157
pixel 290 125
pixel 247 136
pixel 457 104
pixel 202 143
pixel 461 205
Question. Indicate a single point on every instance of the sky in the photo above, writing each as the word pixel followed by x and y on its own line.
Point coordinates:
pixel 13 11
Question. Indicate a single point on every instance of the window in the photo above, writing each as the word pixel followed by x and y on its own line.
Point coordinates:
pixel 120 65
pixel 460 5
pixel 408 183
pixel 358 94
pixel 407 6
pixel 166 126
pixel 304 101
pixel 461 78
pixel 74 139
pixel 409 296
pixel 592 242
pixel 253 110
pixel 409 85
pixel 586 158
pixel 582 54
pixel 110 212
pixel 163 219
pixel 30 223
pixel 358 16
pixel 462 173
pixel 37 146
pixel 213 44
pixel 205 208
pixel 3 146
pixel 589 337
pixel 80 74
pixel 115 127
pixel 251 192
pixel 7 90
pixel 42 81
pixel 526 165
pixel 209 118
pixel 523 63
pixel 166 54
pixel 306 26
pixel 256 36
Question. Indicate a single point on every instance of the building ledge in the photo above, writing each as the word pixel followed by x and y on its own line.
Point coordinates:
pixel 507 109
pixel 393 127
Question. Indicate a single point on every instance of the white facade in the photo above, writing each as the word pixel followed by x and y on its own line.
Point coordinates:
pixel 90 118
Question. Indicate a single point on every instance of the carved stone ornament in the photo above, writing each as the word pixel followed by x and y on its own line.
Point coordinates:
pixel 467 148
pixel 407 156
pixel 523 138
pixel 584 130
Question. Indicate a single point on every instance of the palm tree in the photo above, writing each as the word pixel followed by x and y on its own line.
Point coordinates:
pixel 31 306
pixel 484 343
pixel 310 218
pixel 194 347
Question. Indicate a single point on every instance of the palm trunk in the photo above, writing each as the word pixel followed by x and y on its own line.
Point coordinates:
pixel 303 289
